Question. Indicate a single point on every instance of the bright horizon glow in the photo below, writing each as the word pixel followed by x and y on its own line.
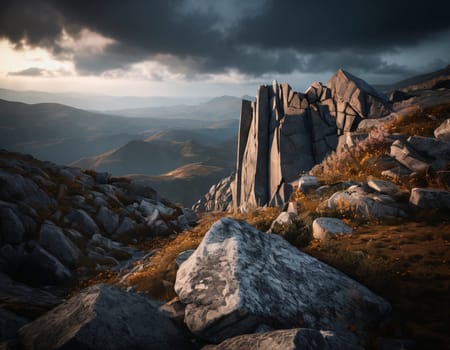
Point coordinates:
pixel 49 73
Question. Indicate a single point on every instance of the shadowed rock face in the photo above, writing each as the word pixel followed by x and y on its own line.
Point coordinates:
pixel 285 133
pixel 239 278
pixel 104 317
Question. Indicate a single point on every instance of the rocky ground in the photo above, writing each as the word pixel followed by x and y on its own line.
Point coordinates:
pixel 356 258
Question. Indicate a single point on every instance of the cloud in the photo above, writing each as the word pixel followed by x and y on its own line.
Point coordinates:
pixel 40 72
pixel 199 37
pixel 29 72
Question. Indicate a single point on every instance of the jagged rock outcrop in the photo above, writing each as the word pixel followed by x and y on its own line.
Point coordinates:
pixel 239 278
pixel 219 197
pixel 104 317
pixel 284 133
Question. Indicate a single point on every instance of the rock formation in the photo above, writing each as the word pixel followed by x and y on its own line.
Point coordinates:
pixel 240 278
pixel 59 225
pixel 104 317
pixel 285 133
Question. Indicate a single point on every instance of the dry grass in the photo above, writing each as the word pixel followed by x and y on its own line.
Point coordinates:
pixel 354 163
pixel 361 161
pixel 409 265
pixel 422 122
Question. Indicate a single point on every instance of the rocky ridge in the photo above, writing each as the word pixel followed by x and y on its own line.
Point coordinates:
pixel 284 134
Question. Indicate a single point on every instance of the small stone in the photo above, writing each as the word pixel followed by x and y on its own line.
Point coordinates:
pixel 307 183
pixel 324 228
pixel 443 131
pixel 108 219
pixel 385 187
pixel 430 198
pixel 126 226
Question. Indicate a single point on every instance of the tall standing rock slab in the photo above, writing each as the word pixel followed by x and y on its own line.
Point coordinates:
pixel 285 133
pixel 103 317
pixel 255 158
pixel 239 278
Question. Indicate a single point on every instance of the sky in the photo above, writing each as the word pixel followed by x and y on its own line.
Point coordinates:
pixel 214 47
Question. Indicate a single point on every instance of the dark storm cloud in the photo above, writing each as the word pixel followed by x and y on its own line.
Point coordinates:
pixel 262 37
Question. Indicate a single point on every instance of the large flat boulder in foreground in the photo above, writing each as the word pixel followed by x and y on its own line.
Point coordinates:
pixel 103 317
pixel 239 278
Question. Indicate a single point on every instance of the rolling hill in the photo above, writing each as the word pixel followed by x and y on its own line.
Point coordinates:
pixel 219 108
pixel 65 134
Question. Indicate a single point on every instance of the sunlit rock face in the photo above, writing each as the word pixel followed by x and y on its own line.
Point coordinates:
pixel 284 133
pixel 239 278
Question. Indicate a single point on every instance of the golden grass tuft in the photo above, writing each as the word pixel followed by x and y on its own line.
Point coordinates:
pixel 422 122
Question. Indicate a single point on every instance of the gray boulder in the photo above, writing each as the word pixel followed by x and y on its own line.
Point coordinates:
pixel 18 188
pixel 290 339
pixel 147 208
pixel 384 187
pixel 323 228
pixel 52 238
pixel 108 219
pixel 307 183
pixel 434 149
pixel 159 227
pixel 408 157
pixel 443 131
pixel 126 226
pixel 189 216
pixel 284 219
pixel 430 198
pixel 12 229
pixel 44 268
pixel 104 317
pixel 239 278
pixel 366 205
pixel 81 221
pixel 24 296
pixel 32 264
